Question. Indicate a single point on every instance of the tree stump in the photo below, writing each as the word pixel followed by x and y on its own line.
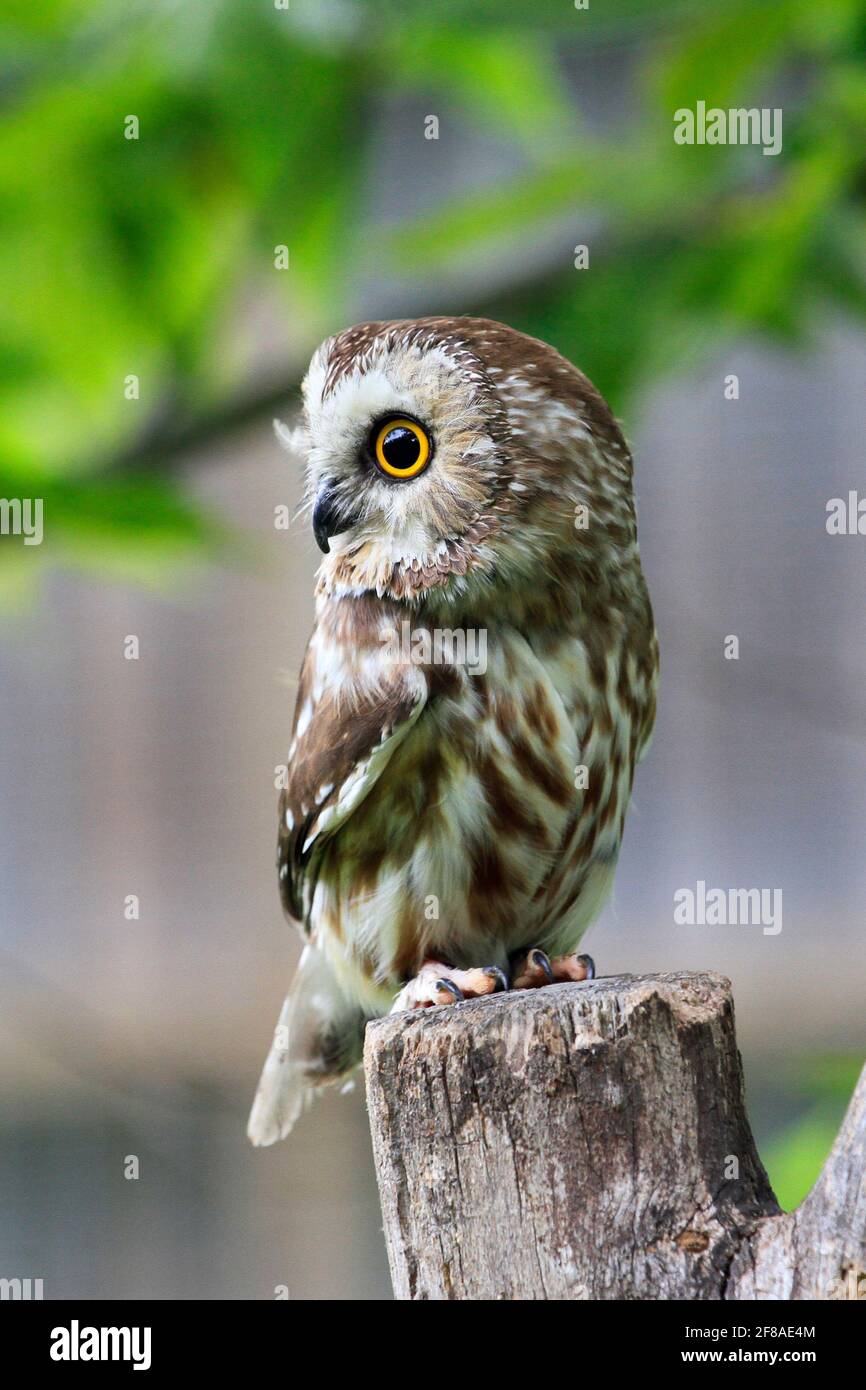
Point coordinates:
pixel 591 1141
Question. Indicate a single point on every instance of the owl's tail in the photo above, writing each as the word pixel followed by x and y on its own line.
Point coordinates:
pixel 318 1039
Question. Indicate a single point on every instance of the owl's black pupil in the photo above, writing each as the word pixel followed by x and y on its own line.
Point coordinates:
pixel 401 447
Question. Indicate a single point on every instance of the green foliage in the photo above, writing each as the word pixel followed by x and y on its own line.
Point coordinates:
pixel 795 1157
pixel 257 128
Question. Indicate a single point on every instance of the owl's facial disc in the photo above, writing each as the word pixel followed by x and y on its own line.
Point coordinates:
pixel 401 464
pixel 398 449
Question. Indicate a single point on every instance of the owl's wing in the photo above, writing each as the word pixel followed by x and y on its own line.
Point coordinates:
pixel 648 711
pixel 342 744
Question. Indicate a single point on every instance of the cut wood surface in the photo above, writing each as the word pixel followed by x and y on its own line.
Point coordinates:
pixel 588 1141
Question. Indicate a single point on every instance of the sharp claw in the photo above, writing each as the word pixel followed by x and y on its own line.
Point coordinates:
pixel 449 987
pixel 494 973
pixel 589 966
pixel 541 960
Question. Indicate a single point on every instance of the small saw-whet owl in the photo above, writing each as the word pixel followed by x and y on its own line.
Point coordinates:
pixel 451 827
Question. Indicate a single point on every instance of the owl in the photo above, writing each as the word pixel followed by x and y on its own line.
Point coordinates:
pixel 477 690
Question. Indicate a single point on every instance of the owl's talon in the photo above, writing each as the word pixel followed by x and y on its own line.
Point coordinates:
pixel 542 962
pixel 532 971
pixel 437 984
pixel 537 969
pixel 573 967
pixel 499 977
pixel 448 988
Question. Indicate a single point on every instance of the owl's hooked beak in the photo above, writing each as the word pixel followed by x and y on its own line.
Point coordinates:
pixel 329 519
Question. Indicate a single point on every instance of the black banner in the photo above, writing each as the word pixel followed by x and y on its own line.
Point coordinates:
pixel 158 1337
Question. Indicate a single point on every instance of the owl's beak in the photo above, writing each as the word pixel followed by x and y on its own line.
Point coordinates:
pixel 328 518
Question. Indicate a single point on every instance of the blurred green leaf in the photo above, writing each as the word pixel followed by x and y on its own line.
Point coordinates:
pixel 509 81
pixel 134 526
pixel 794 1159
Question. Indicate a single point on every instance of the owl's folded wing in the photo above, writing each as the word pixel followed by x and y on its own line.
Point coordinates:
pixel 342 744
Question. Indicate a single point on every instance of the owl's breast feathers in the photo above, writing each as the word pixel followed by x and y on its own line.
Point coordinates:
pixel 433 809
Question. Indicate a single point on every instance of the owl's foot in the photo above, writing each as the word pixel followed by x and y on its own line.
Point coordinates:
pixel 536 969
pixel 442 984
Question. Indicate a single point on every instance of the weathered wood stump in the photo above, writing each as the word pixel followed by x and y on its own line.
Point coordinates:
pixel 591 1141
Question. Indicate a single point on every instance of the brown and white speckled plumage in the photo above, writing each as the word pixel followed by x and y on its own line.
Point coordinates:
pixel 410 785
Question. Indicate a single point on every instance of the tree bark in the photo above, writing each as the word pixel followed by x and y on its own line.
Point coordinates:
pixel 591 1141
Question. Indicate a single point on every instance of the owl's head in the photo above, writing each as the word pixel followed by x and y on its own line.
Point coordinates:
pixel 452 458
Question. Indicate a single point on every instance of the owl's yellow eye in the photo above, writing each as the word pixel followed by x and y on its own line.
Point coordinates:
pixel 401 448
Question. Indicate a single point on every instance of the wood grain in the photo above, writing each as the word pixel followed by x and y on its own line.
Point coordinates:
pixel 590 1141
